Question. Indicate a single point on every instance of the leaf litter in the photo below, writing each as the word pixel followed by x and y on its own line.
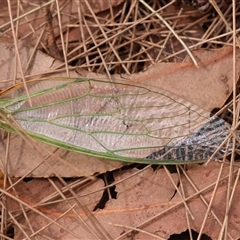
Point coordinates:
pixel 152 196
pixel 132 206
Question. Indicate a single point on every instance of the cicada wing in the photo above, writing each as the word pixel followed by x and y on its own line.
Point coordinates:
pixel 89 116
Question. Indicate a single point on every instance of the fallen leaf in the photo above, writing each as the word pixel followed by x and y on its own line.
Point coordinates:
pixel 207 86
pixel 148 197
pixel 26 160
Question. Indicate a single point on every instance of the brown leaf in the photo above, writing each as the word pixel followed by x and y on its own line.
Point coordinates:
pixel 40 194
pixel 207 86
pixel 147 195
pixel 25 160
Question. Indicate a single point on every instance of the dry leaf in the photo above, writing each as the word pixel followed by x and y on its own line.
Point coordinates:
pixel 207 86
pixel 24 160
pixel 147 195
pixel 40 195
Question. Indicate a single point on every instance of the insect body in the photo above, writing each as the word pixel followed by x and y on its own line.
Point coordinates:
pixel 134 124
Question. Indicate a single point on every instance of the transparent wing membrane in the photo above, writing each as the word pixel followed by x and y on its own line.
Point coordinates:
pixel 132 123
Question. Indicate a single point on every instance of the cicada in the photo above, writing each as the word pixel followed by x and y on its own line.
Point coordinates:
pixel 128 122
